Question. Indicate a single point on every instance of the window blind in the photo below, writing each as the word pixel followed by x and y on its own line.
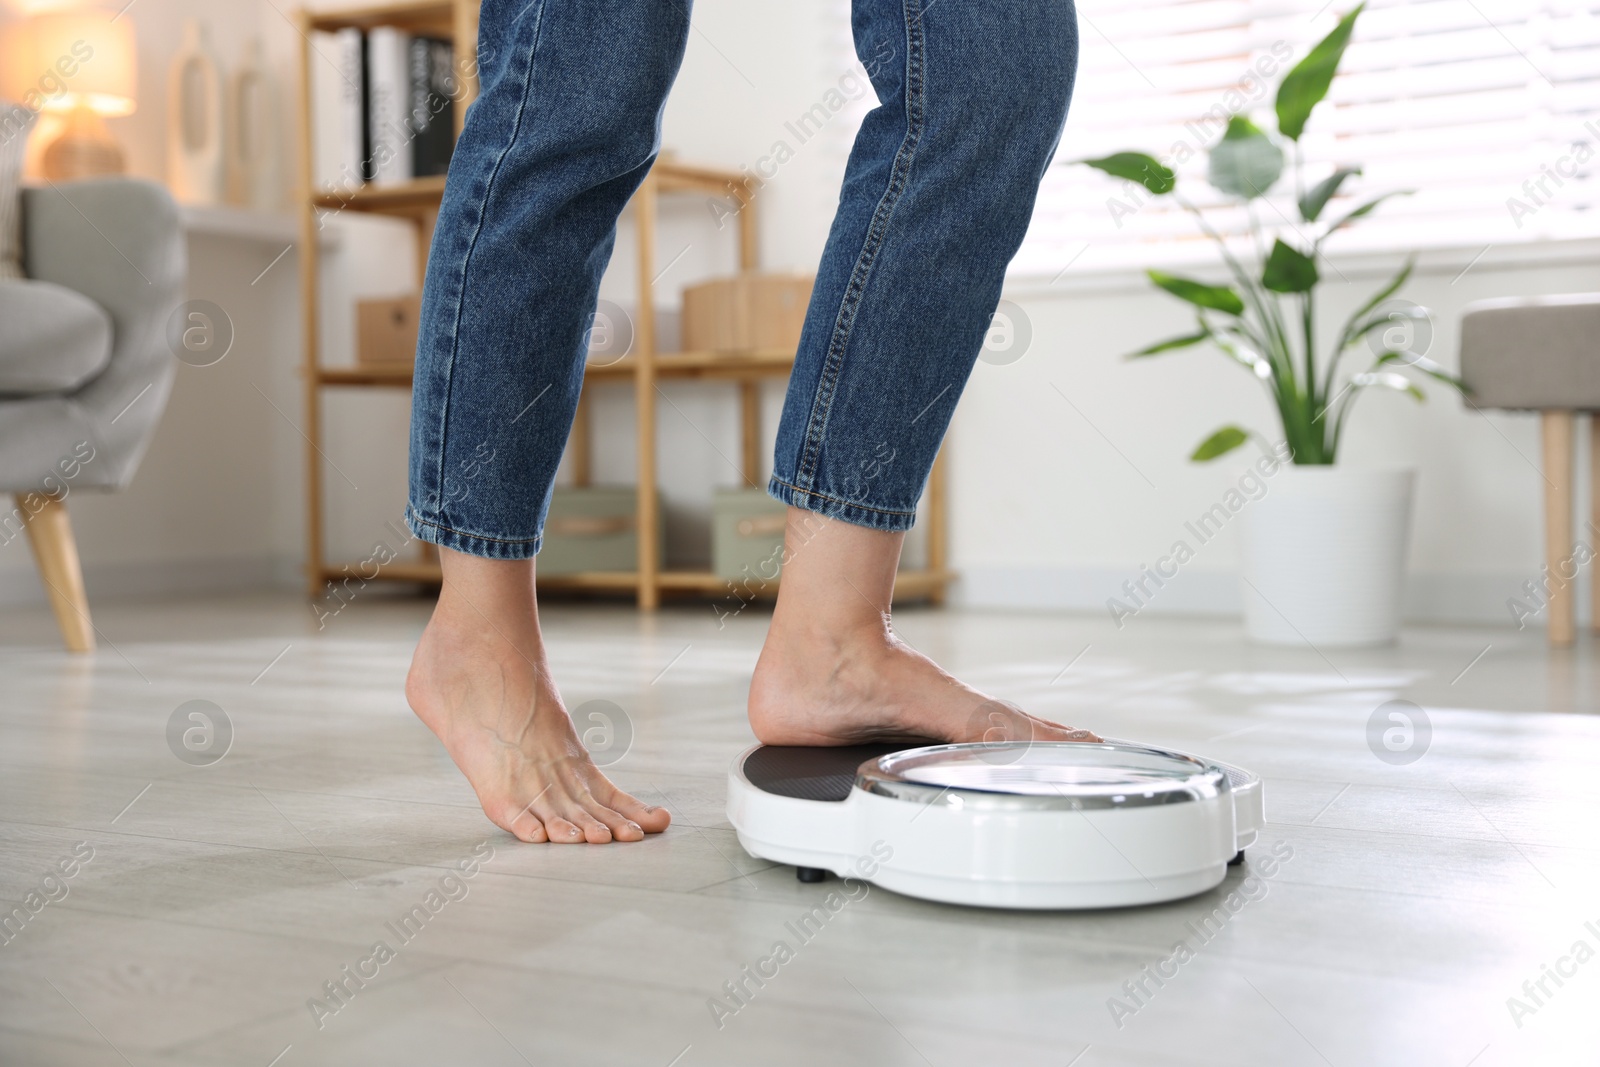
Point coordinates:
pixel 1488 109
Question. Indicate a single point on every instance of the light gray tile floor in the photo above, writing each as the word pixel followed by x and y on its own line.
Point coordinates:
pixel 219 899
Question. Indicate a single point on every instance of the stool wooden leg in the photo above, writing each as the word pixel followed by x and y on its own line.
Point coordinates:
pixel 56 552
pixel 1556 427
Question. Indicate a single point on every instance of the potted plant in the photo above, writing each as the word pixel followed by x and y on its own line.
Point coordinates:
pixel 1325 547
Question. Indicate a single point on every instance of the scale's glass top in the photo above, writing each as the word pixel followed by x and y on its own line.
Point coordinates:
pixel 1021 775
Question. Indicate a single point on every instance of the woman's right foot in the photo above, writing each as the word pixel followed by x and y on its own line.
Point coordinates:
pixel 483 687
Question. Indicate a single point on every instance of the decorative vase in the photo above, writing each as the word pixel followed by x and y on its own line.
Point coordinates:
pixel 251 129
pixel 1325 556
pixel 194 120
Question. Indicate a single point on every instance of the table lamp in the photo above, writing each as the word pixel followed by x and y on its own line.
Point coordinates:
pixel 87 72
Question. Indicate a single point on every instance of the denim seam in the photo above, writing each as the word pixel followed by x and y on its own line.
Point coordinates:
pixel 838 500
pixel 833 365
pixel 475 536
pixel 466 266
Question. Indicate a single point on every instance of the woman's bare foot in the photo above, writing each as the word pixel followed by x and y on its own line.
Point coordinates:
pixel 479 680
pixel 833 672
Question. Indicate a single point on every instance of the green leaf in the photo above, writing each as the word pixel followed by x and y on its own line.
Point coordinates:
pixel 1220 443
pixel 1317 197
pixel 1169 344
pixel 1389 380
pixel 1351 333
pixel 1215 297
pixel 1390 318
pixel 1364 209
pixel 1136 167
pixel 1288 270
pixel 1241 350
pixel 1423 364
pixel 1307 83
pixel 1245 162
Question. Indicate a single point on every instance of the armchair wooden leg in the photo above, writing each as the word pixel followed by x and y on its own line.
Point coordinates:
pixel 1556 427
pixel 56 553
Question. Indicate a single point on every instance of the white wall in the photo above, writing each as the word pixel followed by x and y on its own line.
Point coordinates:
pixel 1046 512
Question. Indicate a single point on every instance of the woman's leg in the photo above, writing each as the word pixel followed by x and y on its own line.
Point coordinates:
pixel 565 129
pixel 937 195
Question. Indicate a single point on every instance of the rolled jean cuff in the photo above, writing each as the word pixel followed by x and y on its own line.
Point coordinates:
pixel 843 510
pixel 472 544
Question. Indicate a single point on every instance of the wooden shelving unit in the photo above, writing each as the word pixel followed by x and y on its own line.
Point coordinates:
pixel 642 368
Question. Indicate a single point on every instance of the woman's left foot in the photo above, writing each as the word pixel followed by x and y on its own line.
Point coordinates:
pixel 816 686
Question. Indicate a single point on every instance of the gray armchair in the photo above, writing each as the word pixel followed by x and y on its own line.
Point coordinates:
pixel 85 367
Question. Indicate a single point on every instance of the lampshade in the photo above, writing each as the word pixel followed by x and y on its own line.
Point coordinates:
pixel 83 58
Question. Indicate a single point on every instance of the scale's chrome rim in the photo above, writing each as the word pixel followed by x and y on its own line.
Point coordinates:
pixel 1172 777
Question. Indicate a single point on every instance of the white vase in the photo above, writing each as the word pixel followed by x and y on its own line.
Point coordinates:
pixel 194 120
pixel 1325 556
pixel 251 131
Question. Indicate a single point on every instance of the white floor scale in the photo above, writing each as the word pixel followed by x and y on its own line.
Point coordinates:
pixel 1003 825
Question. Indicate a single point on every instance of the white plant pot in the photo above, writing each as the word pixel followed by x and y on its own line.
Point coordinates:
pixel 1325 556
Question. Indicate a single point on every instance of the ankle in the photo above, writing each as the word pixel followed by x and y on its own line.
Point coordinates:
pixel 481 620
pixel 810 627
pixel 484 602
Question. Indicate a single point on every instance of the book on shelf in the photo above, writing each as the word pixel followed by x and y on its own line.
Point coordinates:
pixel 432 85
pixel 382 109
pixel 389 106
pixel 352 124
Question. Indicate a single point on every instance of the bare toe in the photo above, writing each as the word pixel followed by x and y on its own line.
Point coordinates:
pixel 1069 733
pixel 521 824
pixel 1002 720
pixel 651 820
pixel 621 827
pixel 593 830
pixel 563 832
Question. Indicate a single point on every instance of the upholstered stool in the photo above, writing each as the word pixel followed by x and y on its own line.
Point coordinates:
pixel 1543 354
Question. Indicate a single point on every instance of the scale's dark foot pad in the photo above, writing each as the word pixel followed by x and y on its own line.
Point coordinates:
pixel 810 874
pixel 1238 858
pixel 814 773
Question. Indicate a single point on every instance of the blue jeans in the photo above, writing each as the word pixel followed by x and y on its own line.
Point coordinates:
pixel 936 198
